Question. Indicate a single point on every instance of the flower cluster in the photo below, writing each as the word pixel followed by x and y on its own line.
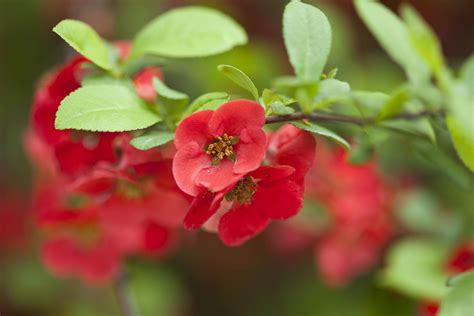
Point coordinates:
pixel 358 202
pixel 240 180
pixel 96 198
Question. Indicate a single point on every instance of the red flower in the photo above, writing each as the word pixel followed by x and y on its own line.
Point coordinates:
pixel 268 193
pixel 462 259
pixel 429 309
pixel 96 263
pixel 217 148
pixel 143 82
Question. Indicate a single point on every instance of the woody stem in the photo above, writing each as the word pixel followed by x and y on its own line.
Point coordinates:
pixel 124 298
pixel 325 117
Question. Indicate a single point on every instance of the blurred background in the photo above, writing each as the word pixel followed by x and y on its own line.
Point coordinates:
pixel 266 276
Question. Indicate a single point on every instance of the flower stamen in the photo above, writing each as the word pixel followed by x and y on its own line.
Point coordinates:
pixel 243 191
pixel 222 147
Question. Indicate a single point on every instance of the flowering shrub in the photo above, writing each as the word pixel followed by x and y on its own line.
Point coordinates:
pixel 124 161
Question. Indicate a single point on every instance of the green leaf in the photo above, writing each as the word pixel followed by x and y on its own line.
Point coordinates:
pixel 416 267
pixel 86 42
pixel 281 109
pixel 208 101
pixel 240 78
pixel 362 152
pixel 460 300
pixel 165 92
pixel 467 72
pixel 394 37
pixel 331 91
pixel 463 144
pixel 189 32
pixel 420 128
pixel 104 108
pixel 151 139
pixel 423 39
pixel 394 105
pixel 307 35
pixel 322 131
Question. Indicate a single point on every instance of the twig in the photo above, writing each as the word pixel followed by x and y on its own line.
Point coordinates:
pixel 324 117
pixel 123 295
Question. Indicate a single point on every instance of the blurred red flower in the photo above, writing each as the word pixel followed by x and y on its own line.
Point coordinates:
pixel 217 148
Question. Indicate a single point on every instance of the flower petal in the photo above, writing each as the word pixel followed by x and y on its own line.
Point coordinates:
pixel 279 199
pixel 203 206
pixel 269 174
pixel 194 128
pixel 187 164
pixel 234 116
pixel 250 150
pixel 241 223
pixel 217 178
pixel 293 147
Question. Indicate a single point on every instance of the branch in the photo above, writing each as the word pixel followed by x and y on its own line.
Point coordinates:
pixel 123 295
pixel 324 117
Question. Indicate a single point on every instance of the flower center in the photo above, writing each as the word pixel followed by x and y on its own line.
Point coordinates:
pixel 222 147
pixel 243 191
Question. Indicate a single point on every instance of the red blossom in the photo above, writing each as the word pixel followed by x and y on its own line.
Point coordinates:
pixel 272 192
pixel 216 148
pixel 462 258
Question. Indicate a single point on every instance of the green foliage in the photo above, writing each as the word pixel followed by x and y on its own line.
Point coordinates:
pixel 321 131
pixel 104 108
pixel 167 93
pixel 460 299
pixel 394 105
pixel 463 144
pixel 240 78
pixel 307 35
pixel 330 91
pixel 423 39
pixel 151 139
pixel 86 42
pixel 416 267
pixel 208 101
pixel 394 37
pixel 188 32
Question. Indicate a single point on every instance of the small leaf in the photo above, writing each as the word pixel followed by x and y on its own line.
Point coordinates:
pixel 394 37
pixel 151 139
pixel 416 267
pixel 189 32
pixel 467 72
pixel 459 300
pixel 394 105
pixel 85 41
pixel 362 152
pixel 463 145
pixel 104 108
pixel 330 91
pixel 332 74
pixel 423 38
pixel 208 101
pixel 240 78
pixel 322 131
pixel 280 109
pixel 307 35
pixel 165 92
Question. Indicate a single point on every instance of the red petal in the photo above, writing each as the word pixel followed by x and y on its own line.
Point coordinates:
pixel 279 200
pixel 234 116
pixel 250 150
pixel 144 83
pixel 270 174
pixel 294 147
pixel 187 164
pixel 240 224
pixel 194 128
pixel 156 238
pixel 217 178
pixel 203 206
pixel 60 256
